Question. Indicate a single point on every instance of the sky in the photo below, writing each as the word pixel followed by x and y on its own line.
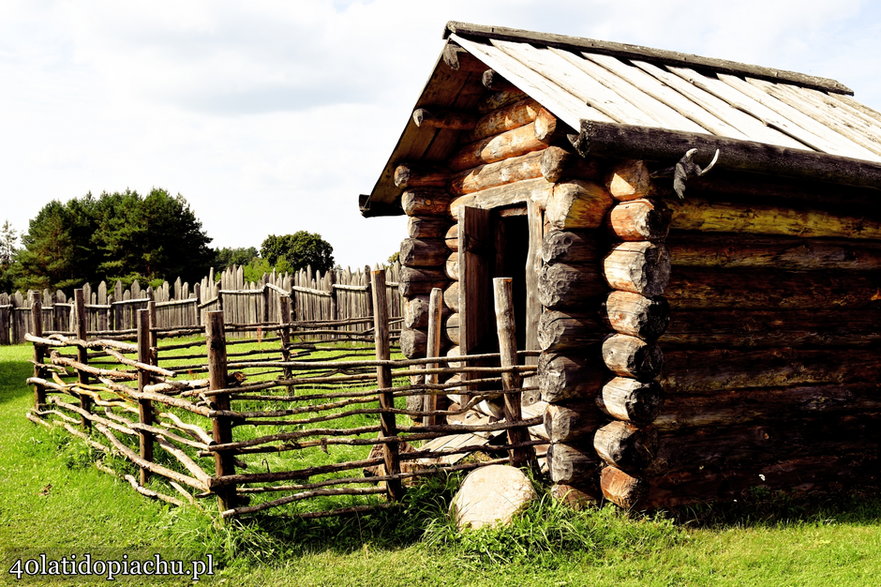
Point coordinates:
pixel 272 116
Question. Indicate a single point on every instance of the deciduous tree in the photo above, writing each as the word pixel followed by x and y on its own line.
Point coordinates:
pixel 299 250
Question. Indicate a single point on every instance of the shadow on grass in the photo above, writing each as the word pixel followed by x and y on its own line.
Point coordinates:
pixel 398 527
pixel 765 508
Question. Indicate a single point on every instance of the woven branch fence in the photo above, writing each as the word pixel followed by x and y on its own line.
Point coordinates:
pixel 111 311
pixel 280 420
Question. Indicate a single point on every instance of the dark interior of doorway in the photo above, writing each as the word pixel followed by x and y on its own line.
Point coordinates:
pixel 512 250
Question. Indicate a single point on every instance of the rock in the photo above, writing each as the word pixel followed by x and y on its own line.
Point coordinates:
pixel 491 496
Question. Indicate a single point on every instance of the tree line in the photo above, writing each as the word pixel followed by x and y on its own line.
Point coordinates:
pixel 126 236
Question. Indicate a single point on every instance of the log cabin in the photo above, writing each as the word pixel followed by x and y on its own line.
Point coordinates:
pixel 696 251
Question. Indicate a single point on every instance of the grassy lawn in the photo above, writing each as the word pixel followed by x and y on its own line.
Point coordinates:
pixel 53 501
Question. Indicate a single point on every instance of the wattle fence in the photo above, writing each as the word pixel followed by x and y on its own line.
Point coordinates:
pixel 340 296
pixel 285 418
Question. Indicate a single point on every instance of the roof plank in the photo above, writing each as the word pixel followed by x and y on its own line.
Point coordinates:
pixel 664 93
pixel 749 125
pixel 660 112
pixel 821 107
pixel 627 51
pixel 576 82
pixel 835 142
pixel 562 104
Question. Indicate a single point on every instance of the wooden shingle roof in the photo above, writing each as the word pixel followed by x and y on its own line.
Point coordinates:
pixel 675 97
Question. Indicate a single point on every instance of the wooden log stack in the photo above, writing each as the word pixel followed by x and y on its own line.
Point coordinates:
pixel 764 293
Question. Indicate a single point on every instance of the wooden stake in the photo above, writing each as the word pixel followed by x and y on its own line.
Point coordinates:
pixel 388 428
pixel 435 328
pixel 39 351
pixel 79 301
pixel 507 333
pixel 145 406
pixel 224 463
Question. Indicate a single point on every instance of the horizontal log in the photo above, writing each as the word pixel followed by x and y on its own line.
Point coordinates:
pixel 629 356
pixel 737 186
pixel 496 174
pixel 638 267
pixel 427 227
pixel 708 370
pixel 577 204
pixel 511 143
pixel 738 407
pixel 563 286
pixel 573 497
pixel 451 296
pixel 413 343
pixel 736 328
pixel 520 192
pixel 631 180
pixel 622 489
pixel 812 475
pixel 507 117
pixel 415 312
pixel 571 423
pixel 748 447
pixel 709 216
pixel 493 80
pixel 425 202
pixel 641 220
pixel 571 246
pixel 549 128
pixel 498 100
pixel 570 379
pixel 698 249
pixel 625 446
pixel 691 287
pixel 451 238
pixel 572 466
pixel 451 328
pixel 418 281
pixel 634 314
pixel 458 59
pixel 451 268
pixel 559 164
pixel 444 118
pixel 614 140
pixel 414 175
pixel 560 331
pixel 423 252
pixel 630 400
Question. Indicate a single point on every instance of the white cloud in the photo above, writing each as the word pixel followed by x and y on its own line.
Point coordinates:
pixel 271 116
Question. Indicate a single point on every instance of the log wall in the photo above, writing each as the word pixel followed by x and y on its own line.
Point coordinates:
pixel 773 350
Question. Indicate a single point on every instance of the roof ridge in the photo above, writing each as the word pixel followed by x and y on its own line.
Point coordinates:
pixel 627 51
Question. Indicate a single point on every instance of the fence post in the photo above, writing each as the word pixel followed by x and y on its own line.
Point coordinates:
pixel 145 406
pixel 152 334
pixel 511 381
pixel 387 425
pixel 82 326
pixel 197 295
pixel 369 304
pixel 266 298
pixel 435 327
pixel 284 317
pixel 39 351
pixel 221 426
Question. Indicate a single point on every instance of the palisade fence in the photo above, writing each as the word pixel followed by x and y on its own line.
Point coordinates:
pixel 335 296
pixel 280 419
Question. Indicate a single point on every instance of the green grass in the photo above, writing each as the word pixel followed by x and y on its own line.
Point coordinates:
pixel 53 501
